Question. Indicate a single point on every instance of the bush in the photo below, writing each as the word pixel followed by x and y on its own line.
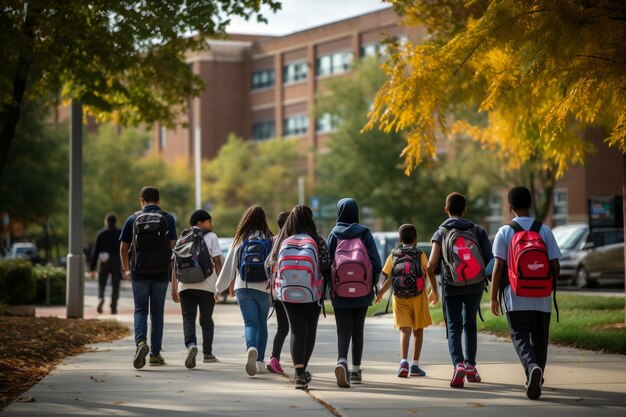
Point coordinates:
pixel 17 282
pixel 57 277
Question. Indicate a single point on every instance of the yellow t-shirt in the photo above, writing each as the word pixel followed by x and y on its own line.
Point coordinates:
pixel 410 312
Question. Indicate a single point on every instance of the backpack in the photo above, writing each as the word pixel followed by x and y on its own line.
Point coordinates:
pixel 192 260
pixel 151 252
pixel 252 255
pixel 407 274
pixel 529 269
pixel 351 271
pixel 298 278
pixel 463 262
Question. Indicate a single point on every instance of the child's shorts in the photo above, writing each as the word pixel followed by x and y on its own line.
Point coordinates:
pixel 411 312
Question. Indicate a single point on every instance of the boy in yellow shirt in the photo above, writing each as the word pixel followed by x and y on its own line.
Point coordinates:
pixel 406 272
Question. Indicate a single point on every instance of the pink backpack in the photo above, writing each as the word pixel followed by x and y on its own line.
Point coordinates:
pixel 351 272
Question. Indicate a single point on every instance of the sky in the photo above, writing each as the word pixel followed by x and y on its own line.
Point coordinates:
pixel 297 15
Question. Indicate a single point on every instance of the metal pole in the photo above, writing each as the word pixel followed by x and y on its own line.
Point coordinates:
pixel 197 150
pixel 75 258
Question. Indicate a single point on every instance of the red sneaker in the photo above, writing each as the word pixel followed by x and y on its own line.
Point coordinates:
pixel 458 376
pixel 472 374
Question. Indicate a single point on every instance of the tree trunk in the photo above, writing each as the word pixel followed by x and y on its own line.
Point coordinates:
pixel 624 216
pixel 10 114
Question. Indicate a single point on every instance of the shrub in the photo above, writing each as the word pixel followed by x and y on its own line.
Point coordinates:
pixel 17 282
pixel 57 279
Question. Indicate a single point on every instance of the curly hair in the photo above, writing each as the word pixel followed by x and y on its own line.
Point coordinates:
pixel 252 221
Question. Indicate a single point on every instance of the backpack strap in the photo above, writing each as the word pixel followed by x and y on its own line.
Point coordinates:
pixel 516 227
pixel 536 226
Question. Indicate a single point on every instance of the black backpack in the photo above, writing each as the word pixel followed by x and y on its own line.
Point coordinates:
pixel 407 274
pixel 192 259
pixel 150 249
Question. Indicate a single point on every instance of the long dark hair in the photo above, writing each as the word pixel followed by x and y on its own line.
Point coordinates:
pixel 252 221
pixel 300 220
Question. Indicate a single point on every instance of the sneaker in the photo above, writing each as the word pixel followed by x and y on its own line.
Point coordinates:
pixel 209 358
pixel 274 367
pixel 156 360
pixel 471 373
pixel 100 303
pixel 261 368
pixel 341 373
pixel 458 376
pixel 356 377
pixel 190 362
pixel 300 383
pixel 113 310
pixel 251 362
pixel 403 371
pixel 533 387
pixel 307 376
pixel 417 371
pixel 139 361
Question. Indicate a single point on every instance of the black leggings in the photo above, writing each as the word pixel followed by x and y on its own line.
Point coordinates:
pixel 283 329
pixel 303 320
pixel 350 326
pixel 191 301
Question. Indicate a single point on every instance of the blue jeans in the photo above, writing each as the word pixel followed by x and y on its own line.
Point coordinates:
pixel 255 306
pixel 461 313
pixel 149 298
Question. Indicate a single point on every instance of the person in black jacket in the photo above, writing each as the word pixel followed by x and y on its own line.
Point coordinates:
pixel 106 253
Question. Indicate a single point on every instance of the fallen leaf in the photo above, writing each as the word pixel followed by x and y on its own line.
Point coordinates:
pixel 26 399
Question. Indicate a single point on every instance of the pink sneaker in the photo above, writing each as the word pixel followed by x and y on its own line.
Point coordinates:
pixel 274 367
pixel 472 374
pixel 458 376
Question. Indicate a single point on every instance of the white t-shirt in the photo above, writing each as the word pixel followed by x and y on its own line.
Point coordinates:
pixel 501 244
pixel 230 271
pixel 213 244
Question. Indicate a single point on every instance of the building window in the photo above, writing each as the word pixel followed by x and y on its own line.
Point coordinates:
pixel 296 125
pixel 336 63
pixel 559 214
pixel 262 79
pixel 295 71
pixel 326 123
pixel 373 49
pixel 494 214
pixel 263 130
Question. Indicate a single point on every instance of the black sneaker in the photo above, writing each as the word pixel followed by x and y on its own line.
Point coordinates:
pixel 308 376
pixel 190 362
pixel 342 375
pixel 139 361
pixel 300 383
pixel 355 377
pixel 209 358
pixel 100 303
pixel 533 386
pixel 114 310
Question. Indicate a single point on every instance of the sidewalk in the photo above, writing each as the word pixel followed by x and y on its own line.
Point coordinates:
pixel 103 382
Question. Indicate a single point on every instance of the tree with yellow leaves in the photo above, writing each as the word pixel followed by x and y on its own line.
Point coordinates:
pixel 540 69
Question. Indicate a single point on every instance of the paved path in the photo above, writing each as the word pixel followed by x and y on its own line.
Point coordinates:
pixel 103 382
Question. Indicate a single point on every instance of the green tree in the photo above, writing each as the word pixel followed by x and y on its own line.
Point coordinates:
pixel 366 165
pixel 245 173
pixel 113 56
pixel 34 189
pixel 117 167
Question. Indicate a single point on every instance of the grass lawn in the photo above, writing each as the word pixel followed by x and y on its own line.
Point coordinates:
pixel 585 322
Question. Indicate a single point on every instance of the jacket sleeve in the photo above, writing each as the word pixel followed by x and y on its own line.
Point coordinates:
pixel 95 252
pixel 229 270
pixel 332 246
pixel 372 250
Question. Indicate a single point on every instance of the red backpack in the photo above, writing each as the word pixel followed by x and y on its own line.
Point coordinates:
pixel 530 274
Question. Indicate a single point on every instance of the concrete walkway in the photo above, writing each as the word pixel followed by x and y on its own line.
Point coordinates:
pixel 103 382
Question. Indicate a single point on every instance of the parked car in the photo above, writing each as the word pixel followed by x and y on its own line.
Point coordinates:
pixel 24 250
pixel 590 259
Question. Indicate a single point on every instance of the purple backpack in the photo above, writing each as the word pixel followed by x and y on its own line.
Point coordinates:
pixel 351 272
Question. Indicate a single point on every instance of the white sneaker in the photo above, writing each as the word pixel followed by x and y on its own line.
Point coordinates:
pixel 190 362
pixel 251 363
pixel 261 368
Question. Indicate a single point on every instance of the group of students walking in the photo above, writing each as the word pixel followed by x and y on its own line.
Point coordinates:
pixel 298 269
